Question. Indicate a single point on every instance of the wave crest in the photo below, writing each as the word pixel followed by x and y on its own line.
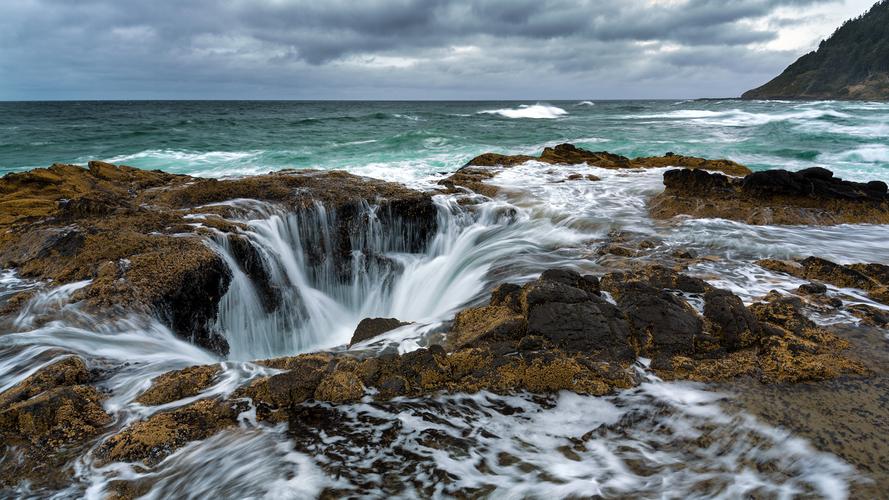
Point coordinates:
pixel 538 111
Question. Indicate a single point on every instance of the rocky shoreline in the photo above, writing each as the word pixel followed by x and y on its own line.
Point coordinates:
pixel 141 239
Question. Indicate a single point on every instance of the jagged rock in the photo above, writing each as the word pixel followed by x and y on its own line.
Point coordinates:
pixel 126 230
pixel 67 371
pixel 59 415
pixel 663 325
pixel 810 196
pixel 369 328
pixel 812 289
pixel 554 333
pixel 485 166
pixel 153 439
pixel 658 277
pixel 870 315
pixel 869 277
pixel 730 321
pixel 179 384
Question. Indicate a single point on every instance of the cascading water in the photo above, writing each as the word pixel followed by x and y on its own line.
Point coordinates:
pixel 319 282
pixel 324 292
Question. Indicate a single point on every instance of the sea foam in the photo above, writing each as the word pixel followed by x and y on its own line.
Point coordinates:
pixel 528 111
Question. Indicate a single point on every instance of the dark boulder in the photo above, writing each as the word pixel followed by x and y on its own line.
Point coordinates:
pixel 728 319
pixel 369 328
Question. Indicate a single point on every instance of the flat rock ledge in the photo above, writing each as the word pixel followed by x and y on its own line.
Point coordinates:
pixel 562 331
pixel 485 166
pixel 140 236
pixel 810 196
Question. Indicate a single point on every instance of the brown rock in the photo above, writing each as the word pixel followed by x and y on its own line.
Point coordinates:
pixel 369 328
pixel 151 440
pixel 811 196
pixel 483 167
pixel 179 384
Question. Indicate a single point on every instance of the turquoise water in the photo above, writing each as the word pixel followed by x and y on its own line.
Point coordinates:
pixel 407 140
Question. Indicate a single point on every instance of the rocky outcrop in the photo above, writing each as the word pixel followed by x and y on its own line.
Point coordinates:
pixel 872 278
pixel 563 331
pixel 810 196
pixel 484 167
pixel 47 416
pixel 140 235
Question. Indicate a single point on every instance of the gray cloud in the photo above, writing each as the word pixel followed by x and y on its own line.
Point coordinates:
pixel 388 48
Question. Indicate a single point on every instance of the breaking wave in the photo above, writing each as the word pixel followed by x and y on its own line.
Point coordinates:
pixel 538 111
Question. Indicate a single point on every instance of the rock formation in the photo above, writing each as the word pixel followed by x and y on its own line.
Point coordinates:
pixel 485 166
pixel 139 235
pixel 810 196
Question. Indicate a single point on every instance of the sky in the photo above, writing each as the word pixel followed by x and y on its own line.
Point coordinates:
pixel 404 49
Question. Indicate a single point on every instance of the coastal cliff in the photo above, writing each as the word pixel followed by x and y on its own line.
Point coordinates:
pixel 852 64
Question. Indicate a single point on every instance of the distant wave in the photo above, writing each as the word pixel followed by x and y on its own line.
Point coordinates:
pixel 526 111
pixel 739 118
pixel 585 103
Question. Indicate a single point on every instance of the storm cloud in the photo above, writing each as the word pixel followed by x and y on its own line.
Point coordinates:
pixel 403 49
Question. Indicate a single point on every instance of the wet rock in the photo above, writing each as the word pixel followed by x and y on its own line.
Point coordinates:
pixel 731 322
pixel 810 196
pixel 487 324
pixel 57 416
pixel 369 328
pixel 842 276
pixel 615 249
pixel 151 440
pixel 656 276
pixel 812 289
pixel 70 370
pixel 868 277
pixel 870 315
pixel 128 230
pixel 586 282
pixel 179 384
pixel 662 324
pixel 483 167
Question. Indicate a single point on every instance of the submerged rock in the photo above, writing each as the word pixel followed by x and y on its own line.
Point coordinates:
pixel 810 196
pixel 485 166
pixel 140 236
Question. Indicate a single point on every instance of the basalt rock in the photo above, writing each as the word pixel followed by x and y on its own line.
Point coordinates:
pixel 485 166
pixel 873 278
pixel 152 440
pixel 555 333
pixel 810 196
pixel 45 417
pixel 140 236
pixel 369 328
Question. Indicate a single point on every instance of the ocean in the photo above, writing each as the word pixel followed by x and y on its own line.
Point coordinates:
pixel 410 140
pixel 657 440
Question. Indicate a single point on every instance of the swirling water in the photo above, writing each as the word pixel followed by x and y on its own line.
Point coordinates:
pixel 642 441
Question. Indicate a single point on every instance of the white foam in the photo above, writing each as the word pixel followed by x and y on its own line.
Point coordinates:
pixel 740 118
pixel 585 103
pixel 537 111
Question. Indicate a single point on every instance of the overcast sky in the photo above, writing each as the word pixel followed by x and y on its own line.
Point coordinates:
pixel 404 49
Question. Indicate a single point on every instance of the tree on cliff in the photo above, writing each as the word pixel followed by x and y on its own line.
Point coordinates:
pixel 852 64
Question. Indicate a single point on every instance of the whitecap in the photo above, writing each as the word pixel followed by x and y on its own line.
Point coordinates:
pixel 585 103
pixel 528 111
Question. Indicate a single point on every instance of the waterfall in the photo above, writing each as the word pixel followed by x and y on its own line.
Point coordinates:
pixel 329 270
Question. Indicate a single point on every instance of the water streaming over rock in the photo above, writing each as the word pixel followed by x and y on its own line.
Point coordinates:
pixel 302 280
